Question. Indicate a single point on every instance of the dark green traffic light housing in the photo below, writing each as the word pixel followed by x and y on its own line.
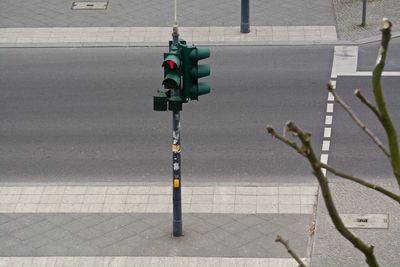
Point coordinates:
pixel 181 76
pixel 192 71
pixel 160 100
pixel 172 70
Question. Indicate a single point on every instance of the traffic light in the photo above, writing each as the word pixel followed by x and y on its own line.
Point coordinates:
pixel 192 71
pixel 181 76
pixel 172 79
pixel 172 70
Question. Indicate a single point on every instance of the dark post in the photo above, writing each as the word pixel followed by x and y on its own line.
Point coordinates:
pixel 176 157
pixel 364 13
pixel 245 14
pixel 176 171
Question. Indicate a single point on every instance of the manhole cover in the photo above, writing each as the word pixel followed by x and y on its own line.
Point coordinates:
pixel 89 5
pixel 372 221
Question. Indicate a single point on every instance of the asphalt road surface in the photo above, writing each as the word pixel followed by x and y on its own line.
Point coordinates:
pixel 351 149
pixel 85 115
pixel 367 54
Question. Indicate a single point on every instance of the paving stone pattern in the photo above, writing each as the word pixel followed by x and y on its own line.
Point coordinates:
pixel 124 261
pixel 353 198
pixel 349 17
pixel 134 13
pixel 142 36
pixel 158 199
pixel 141 234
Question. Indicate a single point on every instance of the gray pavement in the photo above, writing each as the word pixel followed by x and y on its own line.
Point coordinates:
pixel 240 237
pixel 353 198
pixel 369 52
pixel 149 234
pixel 136 13
pixel 352 149
pixel 349 17
pixel 346 15
pixel 85 115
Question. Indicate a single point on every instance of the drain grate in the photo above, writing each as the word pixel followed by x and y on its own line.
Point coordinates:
pixel 89 5
pixel 371 221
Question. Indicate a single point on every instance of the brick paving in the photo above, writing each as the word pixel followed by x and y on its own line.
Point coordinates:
pixel 349 17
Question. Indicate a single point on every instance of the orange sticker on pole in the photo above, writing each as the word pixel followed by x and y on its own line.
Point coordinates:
pixel 176 183
pixel 176 148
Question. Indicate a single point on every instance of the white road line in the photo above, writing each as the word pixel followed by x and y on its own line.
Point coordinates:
pixel 329 108
pixel 344 60
pixel 330 95
pixel 324 158
pixel 325 145
pixel 328 119
pixel 327 132
pixel 344 63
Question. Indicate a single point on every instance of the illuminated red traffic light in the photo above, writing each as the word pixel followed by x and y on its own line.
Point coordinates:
pixel 171 64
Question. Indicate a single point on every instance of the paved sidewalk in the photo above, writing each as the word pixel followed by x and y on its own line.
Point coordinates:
pixel 132 225
pixel 351 198
pixel 209 199
pixel 140 36
pixel 149 235
pixel 349 17
pixel 271 22
pixel 145 261
pixel 160 13
pixel 44 23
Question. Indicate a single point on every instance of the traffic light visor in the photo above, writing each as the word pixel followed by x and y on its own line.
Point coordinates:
pixel 172 81
pixel 172 62
pixel 200 53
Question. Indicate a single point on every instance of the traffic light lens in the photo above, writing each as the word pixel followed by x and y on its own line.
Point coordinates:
pixel 171 64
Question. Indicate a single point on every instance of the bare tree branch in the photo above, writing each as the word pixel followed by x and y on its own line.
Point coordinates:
pixel 331 169
pixel 367 250
pixel 368 103
pixel 357 120
pixel 361 182
pixel 290 251
pixel 292 144
pixel 380 101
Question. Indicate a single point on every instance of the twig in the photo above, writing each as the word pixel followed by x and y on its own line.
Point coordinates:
pixel 293 145
pixel 357 120
pixel 361 182
pixel 367 250
pixel 290 251
pixel 331 169
pixel 368 103
pixel 308 152
pixel 380 101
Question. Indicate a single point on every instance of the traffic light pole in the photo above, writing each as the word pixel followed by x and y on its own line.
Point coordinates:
pixel 180 84
pixel 176 171
pixel 176 156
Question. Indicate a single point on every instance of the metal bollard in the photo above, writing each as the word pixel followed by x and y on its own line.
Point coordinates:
pixel 364 13
pixel 245 14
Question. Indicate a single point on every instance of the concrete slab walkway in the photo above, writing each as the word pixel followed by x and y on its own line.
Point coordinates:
pixel 131 225
pixel 143 36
